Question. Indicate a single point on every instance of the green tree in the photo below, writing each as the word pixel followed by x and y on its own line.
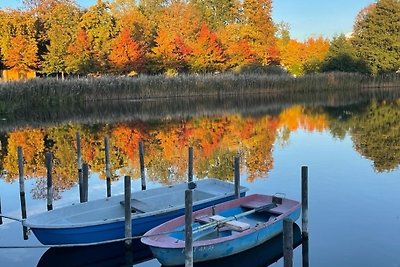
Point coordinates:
pixel 217 13
pixel 100 26
pixel 61 28
pixel 376 36
pixel 341 57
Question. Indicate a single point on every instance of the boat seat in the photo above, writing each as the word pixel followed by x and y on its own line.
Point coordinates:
pixel 232 225
pixel 139 206
pixel 256 204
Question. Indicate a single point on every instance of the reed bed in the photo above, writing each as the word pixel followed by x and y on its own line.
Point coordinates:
pixel 49 91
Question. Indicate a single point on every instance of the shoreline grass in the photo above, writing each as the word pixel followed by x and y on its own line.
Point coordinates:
pixel 50 90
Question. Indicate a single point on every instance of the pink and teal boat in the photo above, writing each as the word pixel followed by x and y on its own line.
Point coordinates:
pixel 222 230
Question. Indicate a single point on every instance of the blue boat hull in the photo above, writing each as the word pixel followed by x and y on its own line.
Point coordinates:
pixel 113 230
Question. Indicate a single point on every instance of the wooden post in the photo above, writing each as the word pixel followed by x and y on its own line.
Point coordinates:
pixel 108 172
pixel 237 176
pixel 190 167
pixel 304 252
pixel 49 166
pixel 304 201
pixel 1 218
pixel 287 242
pixel 128 214
pixel 85 183
pixel 22 190
pixel 188 228
pixel 141 160
pixel 80 175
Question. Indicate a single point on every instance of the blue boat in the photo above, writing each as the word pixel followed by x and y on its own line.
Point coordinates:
pixel 103 219
pixel 222 230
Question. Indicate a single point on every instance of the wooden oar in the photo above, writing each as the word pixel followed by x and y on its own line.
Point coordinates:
pixel 235 217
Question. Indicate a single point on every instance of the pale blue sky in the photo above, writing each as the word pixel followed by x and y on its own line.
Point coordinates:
pixel 306 17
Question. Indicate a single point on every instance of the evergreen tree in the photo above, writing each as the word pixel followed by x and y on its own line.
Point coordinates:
pixel 376 36
pixel 341 57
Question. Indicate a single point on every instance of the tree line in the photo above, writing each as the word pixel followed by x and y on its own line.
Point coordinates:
pixel 190 36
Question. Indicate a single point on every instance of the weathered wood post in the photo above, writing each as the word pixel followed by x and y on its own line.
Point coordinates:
pixel 188 228
pixel 22 190
pixel 141 161
pixel 237 176
pixel 287 242
pixel 304 252
pixel 128 214
pixel 304 201
pixel 49 166
pixel 79 158
pixel 108 172
pixel 190 165
pixel 1 218
pixel 85 182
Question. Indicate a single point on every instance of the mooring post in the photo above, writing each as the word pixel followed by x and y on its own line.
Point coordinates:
pixel 108 172
pixel 49 166
pixel 190 165
pixel 1 218
pixel 22 190
pixel 141 160
pixel 85 184
pixel 237 176
pixel 79 157
pixel 128 214
pixel 304 252
pixel 287 242
pixel 188 228
pixel 304 201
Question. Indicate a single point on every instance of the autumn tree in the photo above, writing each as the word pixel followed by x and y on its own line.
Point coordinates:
pixel 22 54
pixel 18 43
pixel 80 58
pixel 376 36
pixel 258 28
pixel 126 54
pixel 61 27
pixel 292 56
pixel 239 52
pixel 100 26
pixel 170 53
pixel 207 54
pixel 315 51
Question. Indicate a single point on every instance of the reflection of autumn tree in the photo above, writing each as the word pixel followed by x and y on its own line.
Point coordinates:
pixel 297 117
pixel 375 134
pixel 125 140
pixel 32 143
pixel 216 140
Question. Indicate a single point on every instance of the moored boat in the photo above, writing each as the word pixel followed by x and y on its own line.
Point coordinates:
pixel 103 219
pixel 222 230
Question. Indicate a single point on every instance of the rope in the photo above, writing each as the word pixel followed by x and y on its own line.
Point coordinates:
pixel 89 244
pixel 11 218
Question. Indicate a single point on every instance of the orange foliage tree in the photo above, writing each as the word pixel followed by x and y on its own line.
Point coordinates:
pixel 207 55
pixel 126 54
pixel 22 54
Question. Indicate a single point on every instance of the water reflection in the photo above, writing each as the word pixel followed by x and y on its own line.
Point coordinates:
pixel 114 254
pixel 216 140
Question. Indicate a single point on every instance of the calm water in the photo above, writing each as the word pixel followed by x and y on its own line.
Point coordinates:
pixel 352 150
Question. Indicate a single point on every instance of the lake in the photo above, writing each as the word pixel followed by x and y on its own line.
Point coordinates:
pixel 352 149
